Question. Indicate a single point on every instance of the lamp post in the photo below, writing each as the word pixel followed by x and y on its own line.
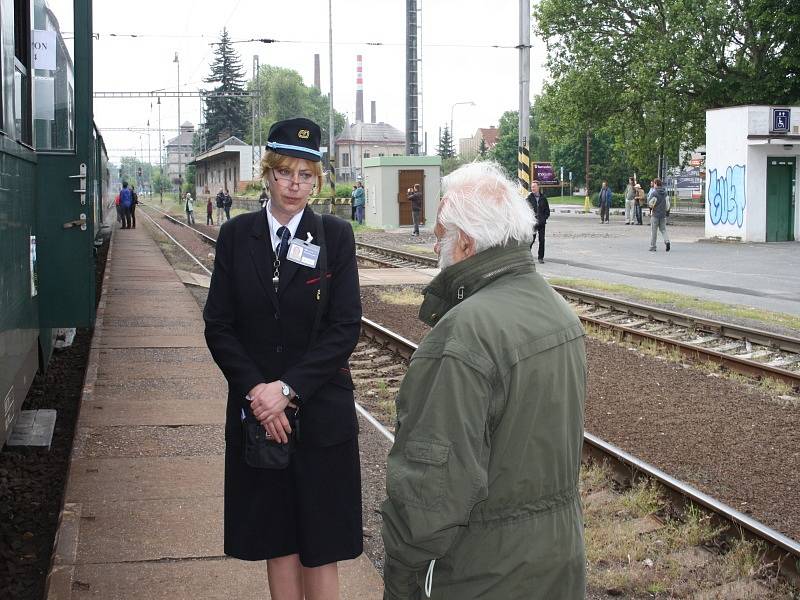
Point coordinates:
pixel 178 139
pixel 160 156
pixel 452 108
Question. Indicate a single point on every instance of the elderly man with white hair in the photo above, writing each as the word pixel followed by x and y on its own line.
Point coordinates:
pixel 482 479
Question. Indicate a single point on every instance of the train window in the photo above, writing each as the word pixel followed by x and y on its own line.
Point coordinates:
pixel 22 80
pixel 54 75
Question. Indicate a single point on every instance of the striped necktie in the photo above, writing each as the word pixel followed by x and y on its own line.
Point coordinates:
pixel 283 245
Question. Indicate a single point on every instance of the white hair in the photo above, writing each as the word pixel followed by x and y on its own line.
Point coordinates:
pixel 482 202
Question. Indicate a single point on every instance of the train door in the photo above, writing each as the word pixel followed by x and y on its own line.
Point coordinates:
pixel 780 198
pixel 406 180
pixel 64 142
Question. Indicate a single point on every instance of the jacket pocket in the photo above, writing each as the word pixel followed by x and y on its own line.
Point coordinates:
pixel 418 476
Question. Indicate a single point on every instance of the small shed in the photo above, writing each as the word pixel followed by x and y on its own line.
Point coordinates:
pixel 223 166
pixel 752 153
pixel 386 182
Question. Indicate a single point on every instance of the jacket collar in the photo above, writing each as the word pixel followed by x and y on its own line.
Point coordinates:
pixel 461 280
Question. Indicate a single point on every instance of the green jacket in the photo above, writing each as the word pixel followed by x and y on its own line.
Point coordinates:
pixel 483 474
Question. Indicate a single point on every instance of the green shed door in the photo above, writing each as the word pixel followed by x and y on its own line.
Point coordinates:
pixel 780 199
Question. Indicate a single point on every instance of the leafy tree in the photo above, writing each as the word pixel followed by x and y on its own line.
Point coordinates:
pixel 227 113
pixel 644 73
pixel 283 95
pixel 159 182
pixel 445 148
pixel 482 149
pixel 505 151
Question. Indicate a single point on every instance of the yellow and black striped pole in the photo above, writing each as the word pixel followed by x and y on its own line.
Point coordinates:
pixel 524 168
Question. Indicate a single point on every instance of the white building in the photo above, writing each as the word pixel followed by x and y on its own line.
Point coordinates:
pixel 386 182
pixel 225 165
pixel 179 152
pixel 360 141
pixel 751 172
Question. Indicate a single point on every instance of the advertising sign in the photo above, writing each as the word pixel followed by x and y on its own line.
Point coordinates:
pixel 543 173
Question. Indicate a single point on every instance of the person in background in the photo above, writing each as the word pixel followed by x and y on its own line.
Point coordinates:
pixel 638 203
pixel 541 210
pixel 353 203
pixel 659 206
pixel 630 194
pixel 220 200
pixel 119 209
pixel 416 198
pixel 482 479
pixel 209 212
pixel 605 201
pixel 359 200
pixel 134 202
pixel 189 206
pixel 125 201
pixel 228 202
pixel 263 198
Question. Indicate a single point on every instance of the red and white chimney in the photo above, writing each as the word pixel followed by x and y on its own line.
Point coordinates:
pixel 359 90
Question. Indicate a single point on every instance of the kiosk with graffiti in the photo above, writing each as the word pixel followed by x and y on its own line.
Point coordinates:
pixel 726 196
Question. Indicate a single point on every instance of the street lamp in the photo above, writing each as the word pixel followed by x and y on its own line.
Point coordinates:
pixel 178 139
pixel 452 108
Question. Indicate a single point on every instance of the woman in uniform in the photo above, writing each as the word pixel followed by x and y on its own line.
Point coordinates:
pixel 282 317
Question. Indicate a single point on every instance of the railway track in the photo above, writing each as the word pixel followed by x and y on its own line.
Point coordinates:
pixel 745 350
pixel 781 548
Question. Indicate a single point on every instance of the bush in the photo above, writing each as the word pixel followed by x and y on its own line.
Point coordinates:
pixel 617 200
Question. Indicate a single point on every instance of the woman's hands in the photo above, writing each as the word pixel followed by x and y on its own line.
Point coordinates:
pixel 268 403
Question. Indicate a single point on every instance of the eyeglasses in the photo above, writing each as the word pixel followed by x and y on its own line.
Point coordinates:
pixel 286 178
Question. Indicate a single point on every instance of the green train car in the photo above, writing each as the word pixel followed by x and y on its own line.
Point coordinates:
pixel 54 195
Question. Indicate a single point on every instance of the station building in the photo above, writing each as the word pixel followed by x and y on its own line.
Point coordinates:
pixel 225 165
pixel 752 153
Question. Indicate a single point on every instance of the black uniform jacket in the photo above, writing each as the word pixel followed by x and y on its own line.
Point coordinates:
pixel 258 336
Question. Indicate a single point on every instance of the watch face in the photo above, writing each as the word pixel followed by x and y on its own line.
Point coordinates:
pixel 285 390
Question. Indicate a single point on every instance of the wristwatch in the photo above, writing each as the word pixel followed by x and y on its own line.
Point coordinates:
pixel 286 391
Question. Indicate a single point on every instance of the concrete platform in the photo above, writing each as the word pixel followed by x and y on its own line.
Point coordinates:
pixel 143 508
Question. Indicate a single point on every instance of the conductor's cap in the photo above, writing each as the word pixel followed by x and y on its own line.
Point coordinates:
pixel 295 137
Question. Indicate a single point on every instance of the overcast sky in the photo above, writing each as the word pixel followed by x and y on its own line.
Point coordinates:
pixel 452 71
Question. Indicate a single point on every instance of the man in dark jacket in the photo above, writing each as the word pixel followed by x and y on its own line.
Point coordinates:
pixel 227 203
pixel 482 479
pixel 220 200
pixel 541 210
pixel 415 195
pixel 605 201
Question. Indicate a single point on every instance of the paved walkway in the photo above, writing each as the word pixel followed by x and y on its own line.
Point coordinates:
pixel 143 510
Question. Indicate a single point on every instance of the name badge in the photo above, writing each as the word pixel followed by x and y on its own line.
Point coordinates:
pixel 303 253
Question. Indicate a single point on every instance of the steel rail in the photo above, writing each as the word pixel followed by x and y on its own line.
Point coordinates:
pixel 745 366
pixel 731 330
pixel 634 465
pixel 177 243
pixel 206 238
pixel 409 256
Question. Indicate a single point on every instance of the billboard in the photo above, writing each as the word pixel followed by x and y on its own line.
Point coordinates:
pixel 543 173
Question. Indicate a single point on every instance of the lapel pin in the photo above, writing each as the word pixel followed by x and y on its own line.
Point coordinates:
pixel 309 237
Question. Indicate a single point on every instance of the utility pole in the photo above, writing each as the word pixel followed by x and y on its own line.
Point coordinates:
pixel 412 79
pixel 178 139
pixel 586 201
pixel 160 154
pixel 331 154
pixel 524 164
pixel 253 133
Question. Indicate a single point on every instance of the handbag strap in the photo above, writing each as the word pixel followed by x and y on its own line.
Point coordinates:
pixel 322 262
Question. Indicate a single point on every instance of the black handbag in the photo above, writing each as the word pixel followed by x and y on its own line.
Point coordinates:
pixel 259 451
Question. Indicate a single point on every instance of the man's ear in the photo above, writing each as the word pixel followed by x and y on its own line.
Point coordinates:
pixel 466 243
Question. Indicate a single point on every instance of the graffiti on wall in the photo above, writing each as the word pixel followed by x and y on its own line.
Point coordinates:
pixel 726 196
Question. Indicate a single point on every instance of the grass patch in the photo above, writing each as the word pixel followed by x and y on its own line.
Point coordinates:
pixel 419 249
pixel 571 200
pixel 404 297
pixel 714 309
pixel 363 228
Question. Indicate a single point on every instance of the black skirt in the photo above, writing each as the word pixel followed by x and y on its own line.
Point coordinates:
pixel 312 508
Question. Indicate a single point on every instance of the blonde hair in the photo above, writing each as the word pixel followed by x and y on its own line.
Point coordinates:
pixel 273 160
